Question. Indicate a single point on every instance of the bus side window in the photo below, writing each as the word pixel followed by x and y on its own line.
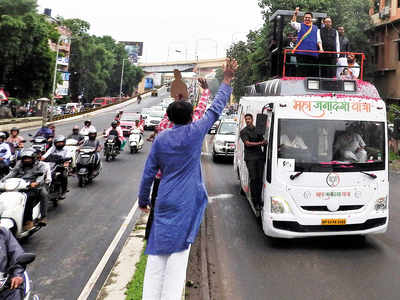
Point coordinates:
pixel 269 136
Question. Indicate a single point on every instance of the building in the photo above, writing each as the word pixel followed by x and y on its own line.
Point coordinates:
pixel 64 51
pixel 385 42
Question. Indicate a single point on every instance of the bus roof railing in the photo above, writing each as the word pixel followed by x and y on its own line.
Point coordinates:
pixel 292 51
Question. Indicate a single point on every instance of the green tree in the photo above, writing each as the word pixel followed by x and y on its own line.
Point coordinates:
pixel 96 64
pixel 25 56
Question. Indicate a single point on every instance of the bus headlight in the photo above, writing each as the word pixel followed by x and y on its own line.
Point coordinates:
pixel 279 205
pixel 313 84
pixel 381 204
pixel 349 86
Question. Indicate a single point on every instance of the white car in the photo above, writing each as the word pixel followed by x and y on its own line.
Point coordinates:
pixel 145 113
pixel 224 140
pixel 153 119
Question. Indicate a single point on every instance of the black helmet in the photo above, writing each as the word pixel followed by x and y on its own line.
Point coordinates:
pixel 59 142
pixel 14 129
pixel 87 123
pixel 114 124
pixel 92 134
pixel 28 157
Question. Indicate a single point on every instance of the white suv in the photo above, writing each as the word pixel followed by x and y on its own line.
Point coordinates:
pixel 224 140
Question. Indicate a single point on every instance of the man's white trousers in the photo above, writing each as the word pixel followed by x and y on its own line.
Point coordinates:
pixel 165 275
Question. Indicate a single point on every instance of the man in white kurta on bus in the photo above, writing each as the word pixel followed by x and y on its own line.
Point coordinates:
pixel 326 153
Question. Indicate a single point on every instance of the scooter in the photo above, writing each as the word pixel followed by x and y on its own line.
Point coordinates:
pixel 12 206
pixel 136 141
pixel 87 167
pixel 41 144
pixel 72 146
pixel 58 169
pixel 111 148
pixel 5 278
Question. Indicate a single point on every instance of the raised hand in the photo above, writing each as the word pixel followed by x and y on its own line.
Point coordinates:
pixel 203 83
pixel 230 68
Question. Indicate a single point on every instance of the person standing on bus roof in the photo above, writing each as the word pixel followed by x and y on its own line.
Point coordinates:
pixel 254 158
pixel 328 40
pixel 306 40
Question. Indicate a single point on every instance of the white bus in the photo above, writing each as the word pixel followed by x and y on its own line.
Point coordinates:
pixel 316 182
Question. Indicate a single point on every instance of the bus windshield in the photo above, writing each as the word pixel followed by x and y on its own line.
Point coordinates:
pixel 332 145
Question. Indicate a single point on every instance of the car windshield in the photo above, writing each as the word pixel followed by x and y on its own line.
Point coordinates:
pixel 157 114
pixel 130 118
pixel 332 145
pixel 227 128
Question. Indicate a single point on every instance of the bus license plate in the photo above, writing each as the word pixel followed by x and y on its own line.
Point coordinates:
pixel 333 222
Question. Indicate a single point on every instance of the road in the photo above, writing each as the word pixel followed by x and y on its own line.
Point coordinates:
pixel 247 265
pixel 82 227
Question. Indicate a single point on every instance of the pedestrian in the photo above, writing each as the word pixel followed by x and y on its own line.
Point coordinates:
pixel 254 158
pixel 344 41
pixel 306 40
pixel 182 197
pixel 328 40
pixel 165 124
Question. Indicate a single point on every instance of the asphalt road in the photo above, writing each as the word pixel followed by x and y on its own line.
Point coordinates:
pixel 247 265
pixel 82 227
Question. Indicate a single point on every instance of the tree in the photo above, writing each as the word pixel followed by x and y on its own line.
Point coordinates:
pixel 96 64
pixel 25 55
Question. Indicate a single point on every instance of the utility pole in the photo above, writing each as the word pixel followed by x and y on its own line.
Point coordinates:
pixel 122 78
pixel 54 81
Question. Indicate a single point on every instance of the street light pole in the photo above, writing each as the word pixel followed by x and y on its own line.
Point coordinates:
pixel 122 78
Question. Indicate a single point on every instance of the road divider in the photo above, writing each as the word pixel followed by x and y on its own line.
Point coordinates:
pixel 7 124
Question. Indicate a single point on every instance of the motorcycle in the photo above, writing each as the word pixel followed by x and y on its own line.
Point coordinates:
pixel 111 148
pixel 72 146
pixel 13 199
pixel 6 168
pixel 136 141
pixel 41 144
pixel 87 167
pixel 58 169
pixel 5 278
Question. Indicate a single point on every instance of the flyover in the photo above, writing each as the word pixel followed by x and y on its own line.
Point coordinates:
pixel 200 66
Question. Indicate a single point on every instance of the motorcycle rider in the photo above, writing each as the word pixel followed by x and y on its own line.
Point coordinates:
pixel 85 129
pixel 48 131
pixel 11 250
pixel 59 150
pixel 5 154
pixel 76 135
pixel 117 131
pixel 30 168
pixel 15 139
pixel 94 143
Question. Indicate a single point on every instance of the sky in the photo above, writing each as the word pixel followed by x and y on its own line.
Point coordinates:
pixel 170 29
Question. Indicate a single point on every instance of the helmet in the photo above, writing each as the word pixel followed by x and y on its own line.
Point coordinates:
pixel 92 134
pixel 14 129
pixel 3 136
pixel 75 129
pixel 59 142
pixel 114 124
pixel 28 157
pixel 87 123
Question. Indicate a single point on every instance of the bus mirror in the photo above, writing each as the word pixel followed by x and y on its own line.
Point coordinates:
pixel 261 124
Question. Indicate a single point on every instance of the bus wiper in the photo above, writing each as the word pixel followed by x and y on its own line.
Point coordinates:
pixel 294 176
pixel 373 176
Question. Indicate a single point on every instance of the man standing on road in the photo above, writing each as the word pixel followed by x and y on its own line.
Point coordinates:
pixel 165 124
pixel 182 197
pixel 254 158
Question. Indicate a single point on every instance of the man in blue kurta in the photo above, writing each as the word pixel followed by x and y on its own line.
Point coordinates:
pixel 307 34
pixel 182 197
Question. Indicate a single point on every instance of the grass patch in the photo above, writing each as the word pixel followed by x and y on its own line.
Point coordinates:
pixel 394 156
pixel 135 287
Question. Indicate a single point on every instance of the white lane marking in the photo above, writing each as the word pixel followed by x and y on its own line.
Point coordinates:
pixel 220 196
pixel 206 146
pixel 100 267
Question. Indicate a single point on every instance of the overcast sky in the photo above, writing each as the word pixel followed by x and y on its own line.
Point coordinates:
pixel 166 24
